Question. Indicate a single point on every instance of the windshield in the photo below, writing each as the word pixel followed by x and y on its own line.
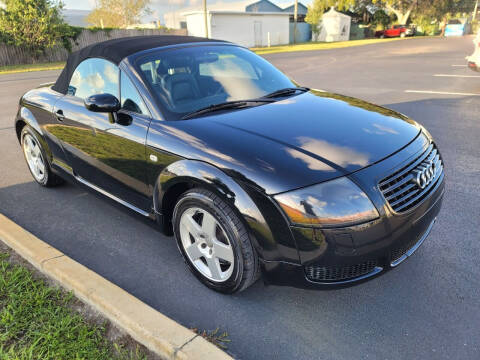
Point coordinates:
pixel 188 79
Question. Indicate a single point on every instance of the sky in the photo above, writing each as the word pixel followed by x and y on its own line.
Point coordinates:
pixel 159 7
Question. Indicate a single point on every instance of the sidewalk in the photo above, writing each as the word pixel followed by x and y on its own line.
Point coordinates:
pixel 144 324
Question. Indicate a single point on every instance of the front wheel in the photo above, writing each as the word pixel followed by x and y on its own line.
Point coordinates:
pixel 214 242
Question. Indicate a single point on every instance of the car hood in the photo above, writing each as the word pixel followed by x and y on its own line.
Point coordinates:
pixel 299 141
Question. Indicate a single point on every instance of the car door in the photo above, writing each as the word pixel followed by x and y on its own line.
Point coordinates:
pixel 101 150
pixel 75 125
pixel 124 166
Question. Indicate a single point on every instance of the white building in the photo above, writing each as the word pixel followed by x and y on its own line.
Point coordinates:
pixel 177 20
pixel 334 26
pixel 248 29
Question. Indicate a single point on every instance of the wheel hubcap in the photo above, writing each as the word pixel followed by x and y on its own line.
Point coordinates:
pixel 206 244
pixel 34 157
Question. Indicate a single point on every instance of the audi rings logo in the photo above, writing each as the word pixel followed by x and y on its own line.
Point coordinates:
pixel 424 174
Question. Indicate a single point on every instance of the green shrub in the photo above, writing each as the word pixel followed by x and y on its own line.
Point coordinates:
pixel 34 24
pixel 426 25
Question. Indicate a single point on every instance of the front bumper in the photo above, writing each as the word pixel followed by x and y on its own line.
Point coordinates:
pixel 341 257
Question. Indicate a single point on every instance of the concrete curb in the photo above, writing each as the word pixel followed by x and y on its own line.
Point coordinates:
pixel 157 332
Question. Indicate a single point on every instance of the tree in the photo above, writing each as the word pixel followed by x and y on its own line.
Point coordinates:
pixel 118 13
pixel 316 10
pixel 380 17
pixel 35 24
pixel 314 14
pixel 401 8
pixel 439 9
pixel 431 15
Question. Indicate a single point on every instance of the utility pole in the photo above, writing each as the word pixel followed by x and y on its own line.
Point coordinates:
pixel 295 15
pixel 205 17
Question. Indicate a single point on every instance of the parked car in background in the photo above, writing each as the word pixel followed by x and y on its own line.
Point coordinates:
pixel 411 30
pixel 253 175
pixel 455 27
pixel 473 60
pixel 397 31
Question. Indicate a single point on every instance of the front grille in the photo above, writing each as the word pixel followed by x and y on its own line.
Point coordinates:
pixel 333 273
pixel 403 189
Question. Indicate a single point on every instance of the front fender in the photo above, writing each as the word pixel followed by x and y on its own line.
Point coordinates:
pixel 237 195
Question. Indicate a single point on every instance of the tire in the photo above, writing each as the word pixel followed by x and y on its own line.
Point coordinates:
pixel 33 152
pixel 241 269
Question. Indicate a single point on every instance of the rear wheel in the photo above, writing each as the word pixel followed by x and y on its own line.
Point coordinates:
pixel 214 242
pixel 36 159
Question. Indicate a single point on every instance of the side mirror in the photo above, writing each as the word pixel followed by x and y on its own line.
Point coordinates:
pixel 102 103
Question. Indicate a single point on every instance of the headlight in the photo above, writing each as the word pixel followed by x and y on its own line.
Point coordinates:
pixel 333 203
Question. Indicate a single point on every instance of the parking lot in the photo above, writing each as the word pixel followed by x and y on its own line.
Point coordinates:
pixel 427 308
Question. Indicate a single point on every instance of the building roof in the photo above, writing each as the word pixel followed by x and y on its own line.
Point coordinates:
pixel 240 13
pixel 262 6
pixel 116 50
pixel 333 13
pixel 220 5
pixel 249 6
pixel 302 9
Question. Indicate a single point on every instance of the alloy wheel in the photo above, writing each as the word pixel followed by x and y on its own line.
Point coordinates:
pixel 206 244
pixel 34 157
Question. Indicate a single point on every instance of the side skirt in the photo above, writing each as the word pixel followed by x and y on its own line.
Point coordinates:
pixel 113 197
pixel 65 171
pixel 62 167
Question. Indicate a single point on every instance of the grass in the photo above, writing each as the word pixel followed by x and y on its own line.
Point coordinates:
pixel 38 321
pixel 216 337
pixel 310 46
pixel 11 69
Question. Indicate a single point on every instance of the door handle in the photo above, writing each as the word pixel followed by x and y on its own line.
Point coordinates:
pixel 59 115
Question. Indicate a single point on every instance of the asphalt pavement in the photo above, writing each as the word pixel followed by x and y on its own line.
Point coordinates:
pixel 428 308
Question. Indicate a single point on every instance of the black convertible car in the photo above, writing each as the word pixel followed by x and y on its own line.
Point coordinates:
pixel 254 175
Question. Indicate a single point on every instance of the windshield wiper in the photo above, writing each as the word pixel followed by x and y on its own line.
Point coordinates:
pixel 244 103
pixel 225 105
pixel 286 91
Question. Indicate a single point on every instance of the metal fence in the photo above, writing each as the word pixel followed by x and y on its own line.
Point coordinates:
pixel 16 55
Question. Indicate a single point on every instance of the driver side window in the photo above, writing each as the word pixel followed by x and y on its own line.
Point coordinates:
pixel 94 76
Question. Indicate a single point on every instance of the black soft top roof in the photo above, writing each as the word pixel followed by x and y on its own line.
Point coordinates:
pixel 116 50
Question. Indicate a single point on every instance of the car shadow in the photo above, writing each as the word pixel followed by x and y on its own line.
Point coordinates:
pixel 131 253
